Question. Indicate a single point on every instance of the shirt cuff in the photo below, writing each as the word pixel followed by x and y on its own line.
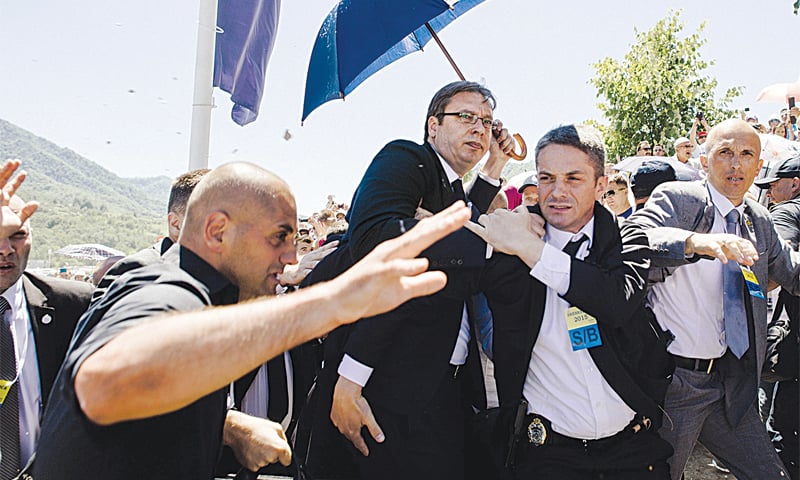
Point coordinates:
pixel 354 370
pixel 553 269
pixel 495 182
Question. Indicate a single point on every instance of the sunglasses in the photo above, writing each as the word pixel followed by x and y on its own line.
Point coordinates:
pixel 612 193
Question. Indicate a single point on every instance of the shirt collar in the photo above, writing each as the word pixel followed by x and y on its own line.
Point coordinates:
pixel 220 289
pixel 14 295
pixel 560 238
pixel 451 174
pixel 721 202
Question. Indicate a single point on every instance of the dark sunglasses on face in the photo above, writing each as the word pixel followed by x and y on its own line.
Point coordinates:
pixel 612 193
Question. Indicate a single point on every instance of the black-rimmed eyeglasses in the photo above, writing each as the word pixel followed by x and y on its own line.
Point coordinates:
pixel 470 119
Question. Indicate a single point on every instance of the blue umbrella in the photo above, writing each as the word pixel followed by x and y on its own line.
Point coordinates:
pixel 359 37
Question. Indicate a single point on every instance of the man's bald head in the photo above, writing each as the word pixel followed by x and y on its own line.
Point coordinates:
pixel 731 126
pixel 241 219
pixel 235 188
pixel 732 159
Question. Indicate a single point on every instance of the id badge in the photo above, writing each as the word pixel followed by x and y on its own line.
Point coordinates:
pixel 752 282
pixel 5 386
pixel 582 329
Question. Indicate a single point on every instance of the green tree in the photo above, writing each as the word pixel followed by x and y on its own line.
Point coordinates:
pixel 656 90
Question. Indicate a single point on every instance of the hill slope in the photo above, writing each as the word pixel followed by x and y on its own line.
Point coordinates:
pixel 81 202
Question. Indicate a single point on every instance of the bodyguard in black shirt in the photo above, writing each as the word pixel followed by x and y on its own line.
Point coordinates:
pixel 141 394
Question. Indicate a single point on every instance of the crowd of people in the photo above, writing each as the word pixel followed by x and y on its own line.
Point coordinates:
pixel 591 320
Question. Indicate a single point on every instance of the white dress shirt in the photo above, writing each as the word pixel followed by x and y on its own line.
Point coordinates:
pixel 563 385
pixel 689 302
pixel 256 400
pixel 30 390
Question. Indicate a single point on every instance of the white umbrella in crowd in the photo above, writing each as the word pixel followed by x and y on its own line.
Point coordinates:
pixel 90 251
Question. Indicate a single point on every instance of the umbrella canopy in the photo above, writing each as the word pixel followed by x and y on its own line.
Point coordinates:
pixel 779 92
pixel 776 149
pixel 359 37
pixel 90 251
pixel 682 171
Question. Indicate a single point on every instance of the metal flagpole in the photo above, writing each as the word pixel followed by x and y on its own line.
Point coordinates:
pixel 203 100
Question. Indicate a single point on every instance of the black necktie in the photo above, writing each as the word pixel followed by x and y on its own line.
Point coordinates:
pixel 9 410
pixel 458 190
pixel 278 405
pixel 572 247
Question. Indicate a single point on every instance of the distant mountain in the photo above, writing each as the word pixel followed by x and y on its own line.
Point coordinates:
pixel 82 202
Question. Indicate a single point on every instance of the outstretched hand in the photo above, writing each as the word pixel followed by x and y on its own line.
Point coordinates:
pixel 515 232
pixel 12 220
pixel 391 274
pixel 295 274
pixel 722 246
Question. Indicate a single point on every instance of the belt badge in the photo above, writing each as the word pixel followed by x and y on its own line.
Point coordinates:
pixel 537 433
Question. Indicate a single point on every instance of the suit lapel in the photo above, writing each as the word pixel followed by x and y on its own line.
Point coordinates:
pixel 42 318
pixel 438 185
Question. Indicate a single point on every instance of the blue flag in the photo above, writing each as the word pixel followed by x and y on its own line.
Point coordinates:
pixel 245 36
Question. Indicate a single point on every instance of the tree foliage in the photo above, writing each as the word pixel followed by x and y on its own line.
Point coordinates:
pixel 657 89
pixel 81 202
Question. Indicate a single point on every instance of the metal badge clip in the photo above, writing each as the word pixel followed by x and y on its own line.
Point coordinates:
pixel 537 433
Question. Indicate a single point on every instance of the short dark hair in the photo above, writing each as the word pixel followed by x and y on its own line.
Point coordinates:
pixel 182 187
pixel 619 179
pixel 585 138
pixel 442 98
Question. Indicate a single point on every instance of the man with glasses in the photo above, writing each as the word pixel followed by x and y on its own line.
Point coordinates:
pixel 398 381
pixel 616 196
pixel 658 150
pixel 683 154
pixel 643 149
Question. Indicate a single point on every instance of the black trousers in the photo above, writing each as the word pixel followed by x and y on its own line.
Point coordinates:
pixel 785 424
pixel 624 456
pixel 428 444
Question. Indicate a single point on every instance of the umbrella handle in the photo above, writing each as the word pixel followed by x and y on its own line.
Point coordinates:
pixel 523 147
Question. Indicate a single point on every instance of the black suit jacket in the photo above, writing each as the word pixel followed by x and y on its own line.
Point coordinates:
pixel 410 347
pixel 609 284
pixel 54 306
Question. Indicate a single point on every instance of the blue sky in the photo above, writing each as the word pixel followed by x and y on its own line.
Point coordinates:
pixel 114 80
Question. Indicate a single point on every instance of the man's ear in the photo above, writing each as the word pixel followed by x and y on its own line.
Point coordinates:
pixel 704 162
pixel 174 223
pixel 433 126
pixel 600 187
pixel 216 226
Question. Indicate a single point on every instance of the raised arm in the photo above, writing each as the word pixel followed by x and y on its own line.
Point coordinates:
pixel 161 366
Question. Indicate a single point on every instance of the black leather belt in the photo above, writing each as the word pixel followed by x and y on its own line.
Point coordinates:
pixel 706 365
pixel 539 432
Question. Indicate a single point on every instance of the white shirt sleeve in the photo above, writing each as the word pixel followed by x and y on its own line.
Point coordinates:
pixel 354 370
pixel 553 269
